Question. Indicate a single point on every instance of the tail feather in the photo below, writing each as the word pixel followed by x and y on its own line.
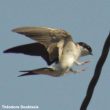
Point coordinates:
pixel 43 71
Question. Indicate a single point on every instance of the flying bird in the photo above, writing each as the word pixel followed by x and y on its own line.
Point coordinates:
pixel 55 46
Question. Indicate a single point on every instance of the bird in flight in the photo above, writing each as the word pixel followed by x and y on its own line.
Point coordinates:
pixel 55 46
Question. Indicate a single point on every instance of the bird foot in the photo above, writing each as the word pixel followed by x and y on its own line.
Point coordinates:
pixel 85 62
pixel 77 71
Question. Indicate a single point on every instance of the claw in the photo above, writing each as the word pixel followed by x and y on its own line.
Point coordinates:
pixel 86 62
pixel 77 71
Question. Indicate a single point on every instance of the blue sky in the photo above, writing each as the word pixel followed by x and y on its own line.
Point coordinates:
pixel 87 21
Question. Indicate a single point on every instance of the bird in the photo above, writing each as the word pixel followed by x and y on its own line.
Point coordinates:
pixel 55 46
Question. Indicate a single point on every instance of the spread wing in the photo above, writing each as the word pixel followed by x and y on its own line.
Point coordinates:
pixel 48 37
pixel 34 49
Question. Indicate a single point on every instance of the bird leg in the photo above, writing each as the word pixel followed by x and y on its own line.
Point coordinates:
pixel 77 71
pixel 81 63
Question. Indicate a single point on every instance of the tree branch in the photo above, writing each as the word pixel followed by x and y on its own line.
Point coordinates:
pixel 97 74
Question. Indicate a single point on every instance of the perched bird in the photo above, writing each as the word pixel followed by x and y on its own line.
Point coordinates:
pixel 55 46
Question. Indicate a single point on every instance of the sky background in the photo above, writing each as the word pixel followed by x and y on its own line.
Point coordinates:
pixel 86 20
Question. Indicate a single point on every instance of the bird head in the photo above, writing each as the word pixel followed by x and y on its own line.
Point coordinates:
pixel 85 49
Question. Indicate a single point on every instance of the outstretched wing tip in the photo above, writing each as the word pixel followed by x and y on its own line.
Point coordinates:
pixel 25 28
pixel 15 30
pixel 7 51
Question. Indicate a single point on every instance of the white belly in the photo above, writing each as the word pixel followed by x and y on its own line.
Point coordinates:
pixel 66 61
pixel 69 55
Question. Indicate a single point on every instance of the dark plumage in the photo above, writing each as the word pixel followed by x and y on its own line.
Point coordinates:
pixel 86 46
pixel 34 49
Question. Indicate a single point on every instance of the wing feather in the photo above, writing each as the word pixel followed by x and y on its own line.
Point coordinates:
pixel 34 49
pixel 44 35
pixel 49 37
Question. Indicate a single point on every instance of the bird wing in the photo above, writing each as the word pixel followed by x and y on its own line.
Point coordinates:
pixel 44 35
pixel 34 49
pixel 41 71
pixel 49 37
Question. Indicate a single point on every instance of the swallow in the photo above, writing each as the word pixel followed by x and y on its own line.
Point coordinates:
pixel 55 46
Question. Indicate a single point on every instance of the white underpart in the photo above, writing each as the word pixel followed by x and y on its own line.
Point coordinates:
pixel 68 56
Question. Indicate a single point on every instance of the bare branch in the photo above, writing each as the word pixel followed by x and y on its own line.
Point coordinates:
pixel 97 74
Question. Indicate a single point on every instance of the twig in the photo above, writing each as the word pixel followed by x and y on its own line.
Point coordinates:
pixel 97 74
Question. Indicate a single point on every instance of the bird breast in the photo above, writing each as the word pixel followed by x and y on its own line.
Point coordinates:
pixel 70 54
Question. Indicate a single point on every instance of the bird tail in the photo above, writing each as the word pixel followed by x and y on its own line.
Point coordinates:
pixel 43 71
